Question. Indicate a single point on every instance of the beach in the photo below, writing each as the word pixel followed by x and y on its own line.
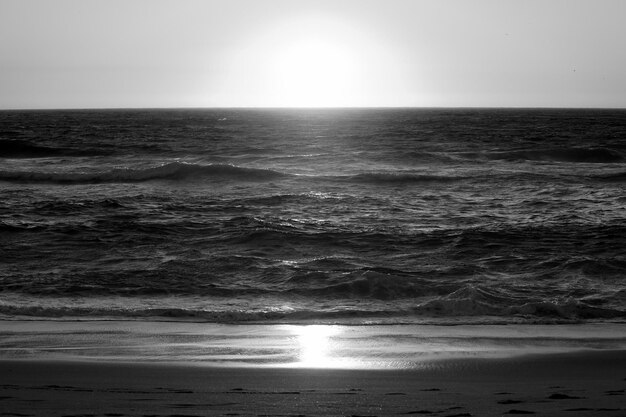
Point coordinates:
pixel 549 385
pixel 75 378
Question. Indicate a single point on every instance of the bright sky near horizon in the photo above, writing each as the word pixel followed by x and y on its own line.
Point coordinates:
pixel 231 53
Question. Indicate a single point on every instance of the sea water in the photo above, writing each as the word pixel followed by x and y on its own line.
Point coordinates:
pixel 353 216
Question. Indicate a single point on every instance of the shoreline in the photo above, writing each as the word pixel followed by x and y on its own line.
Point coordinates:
pixel 313 346
pixel 295 346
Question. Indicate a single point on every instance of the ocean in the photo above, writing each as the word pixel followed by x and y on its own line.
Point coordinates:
pixel 314 216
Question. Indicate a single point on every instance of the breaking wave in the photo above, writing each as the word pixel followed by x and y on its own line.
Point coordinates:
pixel 464 305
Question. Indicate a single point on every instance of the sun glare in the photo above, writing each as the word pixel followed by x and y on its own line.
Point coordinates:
pixel 314 71
pixel 313 61
pixel 305 61
pixel 316 346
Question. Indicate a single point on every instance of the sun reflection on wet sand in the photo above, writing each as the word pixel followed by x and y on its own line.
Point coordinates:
pixel 296 346
pixel 339 347
pixel 413 347
pixel 316 346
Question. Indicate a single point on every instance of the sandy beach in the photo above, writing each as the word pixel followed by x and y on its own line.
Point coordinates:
pixel 549 385
pixel 47 377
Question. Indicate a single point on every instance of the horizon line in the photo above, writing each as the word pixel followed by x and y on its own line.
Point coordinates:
pixel 314 108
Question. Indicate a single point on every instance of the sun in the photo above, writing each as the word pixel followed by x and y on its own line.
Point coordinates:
pixel 314 71
pixel 312 60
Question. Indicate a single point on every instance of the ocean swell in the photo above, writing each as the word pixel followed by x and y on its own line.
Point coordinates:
pixel 574 155
pixel 24 149
pixel 399 178
pixel 612 177
pixel 174 171
pixel 14 148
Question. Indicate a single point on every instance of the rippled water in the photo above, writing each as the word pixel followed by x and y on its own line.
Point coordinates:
pixel 354 216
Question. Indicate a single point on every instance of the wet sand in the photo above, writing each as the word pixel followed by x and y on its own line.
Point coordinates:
pixel 567 384
pixel 116 368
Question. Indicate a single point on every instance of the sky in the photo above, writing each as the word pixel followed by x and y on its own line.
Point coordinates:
pixel 286 53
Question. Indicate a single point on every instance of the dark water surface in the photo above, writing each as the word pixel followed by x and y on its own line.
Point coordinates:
pixel 359 216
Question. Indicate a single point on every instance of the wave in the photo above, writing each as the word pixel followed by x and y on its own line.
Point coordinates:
pixel 142 313
pixel 464 305
pixel 612 177
pixel 174 171
pixel 286 198
pixel 535 241
pixel 6 226
pixel 476 301
pixel 363 284
pixel 580 155
pixel 24 149
pixel 179 171
pixel 13 148
pixel 398 178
